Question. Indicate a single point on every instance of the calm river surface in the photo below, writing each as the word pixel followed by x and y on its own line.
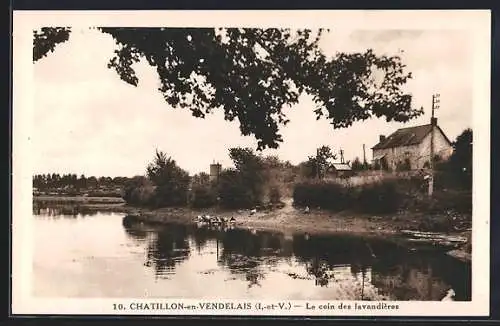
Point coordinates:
pixel 107 255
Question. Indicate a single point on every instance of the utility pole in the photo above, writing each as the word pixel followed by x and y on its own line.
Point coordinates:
pixel 341 156
pixel 364 155
pixel 435 106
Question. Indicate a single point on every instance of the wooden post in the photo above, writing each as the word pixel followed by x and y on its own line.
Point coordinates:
pixel 435 100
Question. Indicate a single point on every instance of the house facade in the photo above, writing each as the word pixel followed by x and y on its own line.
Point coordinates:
pixel 410 148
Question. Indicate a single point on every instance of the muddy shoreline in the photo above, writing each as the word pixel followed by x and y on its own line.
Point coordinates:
pixel 289 220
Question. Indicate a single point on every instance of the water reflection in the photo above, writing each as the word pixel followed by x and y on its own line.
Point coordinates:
pixel 169 247
pixel 359 268
pixel 105 254
pixel 61 210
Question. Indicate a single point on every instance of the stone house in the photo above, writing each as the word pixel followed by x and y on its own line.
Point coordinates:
pixel 410 148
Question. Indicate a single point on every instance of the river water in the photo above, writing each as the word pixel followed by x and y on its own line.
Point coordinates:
pixel 85 255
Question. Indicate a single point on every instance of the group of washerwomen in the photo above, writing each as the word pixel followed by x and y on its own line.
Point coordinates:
pixel 215 221
pixel 218 221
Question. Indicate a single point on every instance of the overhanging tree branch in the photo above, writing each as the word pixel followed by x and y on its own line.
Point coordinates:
pixel 206 69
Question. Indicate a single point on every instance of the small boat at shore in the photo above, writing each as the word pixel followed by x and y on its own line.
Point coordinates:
pixel 432 240
pixel 434 235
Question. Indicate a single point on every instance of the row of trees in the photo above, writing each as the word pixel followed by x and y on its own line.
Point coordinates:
pixel 57 181
pixel 246 185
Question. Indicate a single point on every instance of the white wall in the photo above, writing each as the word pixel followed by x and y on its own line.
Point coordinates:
pixel 441 148
pixel 418 154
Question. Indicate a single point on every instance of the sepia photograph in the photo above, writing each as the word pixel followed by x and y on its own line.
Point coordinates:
pixel 244 166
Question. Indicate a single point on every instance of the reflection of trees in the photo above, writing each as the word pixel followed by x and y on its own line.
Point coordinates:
pixel 167 244
pixel 318 268
pixel 365 269
pixel 456 273
pixel 168 248
pixel 394 271
pixel 332 250
pixel 246 253
pixel 420 276
pixel 135 229
pixel 337 258
pixel 61 210
pixel 202 236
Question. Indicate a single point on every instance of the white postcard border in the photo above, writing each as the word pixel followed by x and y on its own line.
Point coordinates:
pixel 476 22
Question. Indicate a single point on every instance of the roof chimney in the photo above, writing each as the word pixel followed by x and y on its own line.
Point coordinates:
pixel 434 121
pixel 382 138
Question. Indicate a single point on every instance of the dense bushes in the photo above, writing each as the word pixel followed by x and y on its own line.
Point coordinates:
pixel 166 185
pixel 171 181
pixel 244 186
pixel 382 197
pixel 456 172
pixel 379 197
pixel 139 192
pixel 274 195
pixel 203 196
pixel 328 195
pixel 442 201
pixel 233 191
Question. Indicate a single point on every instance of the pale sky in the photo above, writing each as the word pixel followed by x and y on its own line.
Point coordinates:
pixel 88 121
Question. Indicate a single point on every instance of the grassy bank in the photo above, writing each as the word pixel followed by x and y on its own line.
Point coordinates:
pixel 77 200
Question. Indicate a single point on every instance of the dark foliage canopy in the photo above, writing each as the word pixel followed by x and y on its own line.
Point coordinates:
pixel 252 74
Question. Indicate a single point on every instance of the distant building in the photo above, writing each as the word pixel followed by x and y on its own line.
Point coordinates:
pixel 340 170
pixel 215 170
pixel 411 147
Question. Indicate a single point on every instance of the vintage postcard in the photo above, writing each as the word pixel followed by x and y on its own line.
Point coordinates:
pixel 292 163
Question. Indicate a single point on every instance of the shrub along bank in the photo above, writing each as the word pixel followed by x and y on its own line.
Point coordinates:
pixel 379 197
pixel 382 197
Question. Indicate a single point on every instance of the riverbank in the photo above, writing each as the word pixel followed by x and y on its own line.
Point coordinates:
pixel 290 220
pixel 77 200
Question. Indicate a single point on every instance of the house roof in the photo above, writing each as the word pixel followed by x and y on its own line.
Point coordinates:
pixel 378 157
pixel 341 166
pixel 407 136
